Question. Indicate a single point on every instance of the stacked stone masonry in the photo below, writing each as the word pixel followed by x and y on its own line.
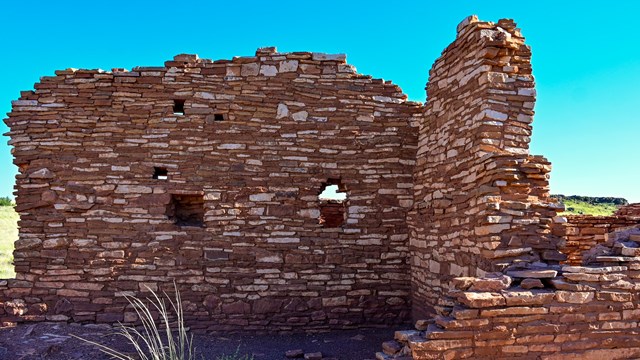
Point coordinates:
pixel 567 312
pixel 632 210
pixel 208 174
pixel 481 200
pixel 584 233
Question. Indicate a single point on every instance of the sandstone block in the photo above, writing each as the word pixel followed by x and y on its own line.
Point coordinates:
pixel 531 284
pixel 481 299
pixel 527 298
pixel 492 284
pixel 574 297
pixel 536 274
pixel 391 347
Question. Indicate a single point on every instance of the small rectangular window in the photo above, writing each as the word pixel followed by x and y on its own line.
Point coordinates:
pixel 186 210
pixel 218 117
pixel 178 107
pixel 160 173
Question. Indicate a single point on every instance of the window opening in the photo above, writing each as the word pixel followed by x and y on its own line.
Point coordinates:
pixel 178 107
pixel 160 173
pixel 332 198
pixel 186 210
pixel 332 192
pixel 218 117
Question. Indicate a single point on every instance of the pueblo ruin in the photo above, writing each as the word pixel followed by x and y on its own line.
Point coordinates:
pixel 212 175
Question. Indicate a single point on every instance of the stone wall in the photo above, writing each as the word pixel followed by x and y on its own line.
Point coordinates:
pixel 568 312
pixel 481 200
pixel 490 220
pixel 588 313
pixel 207 173
pixel 629 210
pixel 585 232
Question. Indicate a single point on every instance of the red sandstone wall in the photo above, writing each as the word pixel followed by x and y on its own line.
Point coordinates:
pixel 587 313
pixel 629 210
pixel 95 224
pixel 585 232
pixel 481 201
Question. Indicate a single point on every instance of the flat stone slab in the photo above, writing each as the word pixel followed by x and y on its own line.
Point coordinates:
pixel 405 335
pixel 593 270
pixel 618 259
pixel 535 274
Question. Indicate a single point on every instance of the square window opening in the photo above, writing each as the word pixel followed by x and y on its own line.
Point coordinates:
pixel 186 210
pixel 218 117
pixel 178 107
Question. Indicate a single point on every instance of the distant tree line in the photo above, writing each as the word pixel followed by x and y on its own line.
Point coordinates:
pixel 594 200
pixel 5 201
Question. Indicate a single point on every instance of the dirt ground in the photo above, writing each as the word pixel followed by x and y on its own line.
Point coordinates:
pixel 52 341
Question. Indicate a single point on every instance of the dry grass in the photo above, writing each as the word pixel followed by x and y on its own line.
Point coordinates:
pixel 154 340
pixel 8 235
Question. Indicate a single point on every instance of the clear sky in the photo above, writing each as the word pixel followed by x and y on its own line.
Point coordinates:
pixel 586 58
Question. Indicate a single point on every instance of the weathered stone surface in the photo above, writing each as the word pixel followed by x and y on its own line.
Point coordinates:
pixel 43 173
pixel 391 347
pixel 593 270
pixel 295 353
pixel 531 284
pixel 495 283
pixel 63 306
pixel 574 297
pixel 481 299
pixel 406 335
pixel 15 307
pixel 536 274
pixel 527 298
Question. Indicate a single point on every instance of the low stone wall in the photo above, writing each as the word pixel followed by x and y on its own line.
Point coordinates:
pixel 629 210
pixel 543 312
pixel 585 232
pixel 585 313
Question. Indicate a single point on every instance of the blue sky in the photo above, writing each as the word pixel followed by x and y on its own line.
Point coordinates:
pixel 586 59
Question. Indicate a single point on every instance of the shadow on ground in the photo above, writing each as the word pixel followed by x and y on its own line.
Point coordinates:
pixel 53 341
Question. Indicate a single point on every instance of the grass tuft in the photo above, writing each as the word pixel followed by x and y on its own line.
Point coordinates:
pixel 153 341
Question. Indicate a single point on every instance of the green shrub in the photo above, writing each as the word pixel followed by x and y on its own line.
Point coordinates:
pixel 5 201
